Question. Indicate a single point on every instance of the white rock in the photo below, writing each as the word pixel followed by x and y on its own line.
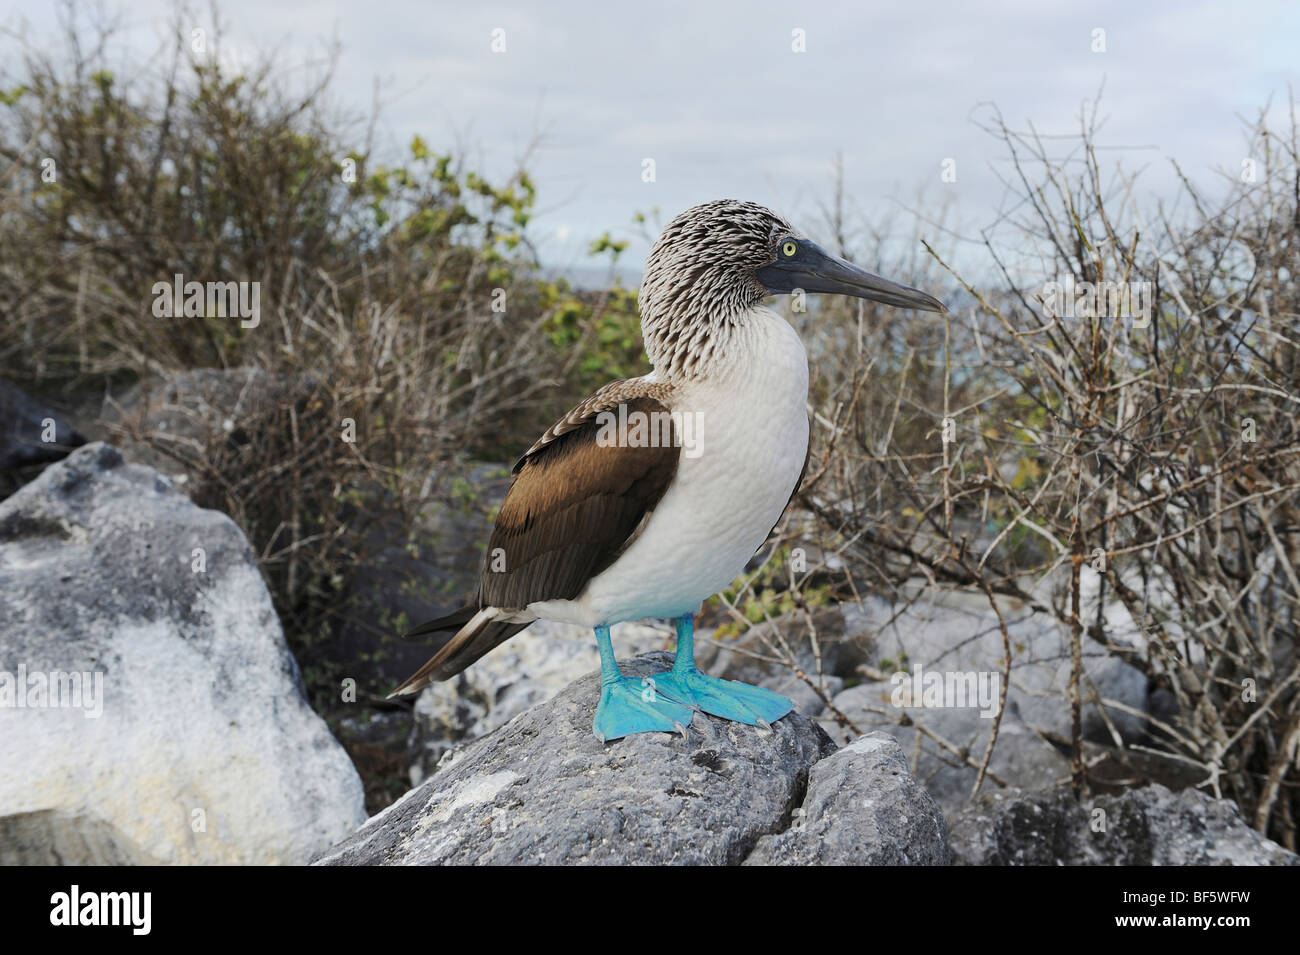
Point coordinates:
pixel 205 750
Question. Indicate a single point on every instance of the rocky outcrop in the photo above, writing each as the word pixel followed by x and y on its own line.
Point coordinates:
pixel 55 837
pixel 960 635
pixel 528 669
pixel 412 565
pixel 169 423
pixel 30 433
pixel 1022 758
pixel 543 790
pixel 149 707
pixel 863 807
pixel 542 660
pixel 1147 826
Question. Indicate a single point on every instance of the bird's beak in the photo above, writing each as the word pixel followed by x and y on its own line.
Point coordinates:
pixel 814 270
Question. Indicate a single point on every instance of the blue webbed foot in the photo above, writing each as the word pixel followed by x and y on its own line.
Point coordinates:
pixel 738 702
pixel 632 706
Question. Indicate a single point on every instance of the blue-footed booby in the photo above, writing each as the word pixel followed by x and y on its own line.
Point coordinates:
pixel 654 493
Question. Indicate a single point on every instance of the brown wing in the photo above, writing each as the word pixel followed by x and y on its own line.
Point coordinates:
pixel 580 496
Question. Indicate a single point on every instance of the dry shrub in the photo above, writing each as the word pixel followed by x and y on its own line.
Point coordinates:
pixel 400 308
pixel 1093 461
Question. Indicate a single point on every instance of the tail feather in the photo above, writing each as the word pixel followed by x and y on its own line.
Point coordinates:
pixel 453 621
pixel 479 632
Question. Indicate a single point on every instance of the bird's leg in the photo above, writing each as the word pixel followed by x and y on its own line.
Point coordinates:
pixel 631 706
pixel 729 699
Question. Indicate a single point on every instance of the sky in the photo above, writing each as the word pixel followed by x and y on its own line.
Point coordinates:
pixel 729 99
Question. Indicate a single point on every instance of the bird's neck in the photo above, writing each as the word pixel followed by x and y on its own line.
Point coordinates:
pixel 690 317
pixel 687 347
pixel 734 346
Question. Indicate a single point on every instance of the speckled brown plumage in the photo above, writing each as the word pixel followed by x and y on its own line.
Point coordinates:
pixel 699 280
pixel 575 504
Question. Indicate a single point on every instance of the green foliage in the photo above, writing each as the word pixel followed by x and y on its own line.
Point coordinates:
pixel 767 596
pixel 381 293
pixel 606 244
pixel 604 330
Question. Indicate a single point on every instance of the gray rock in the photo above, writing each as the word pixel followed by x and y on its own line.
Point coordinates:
pixel 863 807
pixel 538 663
pixel 1147 826
pixel 1021 758
pixel 805 698
pixel 53 837
pixel 527 669
pixel 23 431
pixel 958 631
pixel 543 789
pixel 203 749
pixel 170 423
pixel 742 659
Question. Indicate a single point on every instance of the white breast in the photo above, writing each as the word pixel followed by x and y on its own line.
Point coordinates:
pixel 730 489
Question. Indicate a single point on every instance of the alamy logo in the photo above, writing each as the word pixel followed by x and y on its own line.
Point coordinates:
pixel 75 907
pixel 938 689
pixel 181 299
pixel 654 429
pixel 1067 298
pixel 38 689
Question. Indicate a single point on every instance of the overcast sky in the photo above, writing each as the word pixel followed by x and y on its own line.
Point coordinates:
pixel 716 95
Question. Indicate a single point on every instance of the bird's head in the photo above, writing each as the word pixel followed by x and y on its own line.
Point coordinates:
pixel 716 261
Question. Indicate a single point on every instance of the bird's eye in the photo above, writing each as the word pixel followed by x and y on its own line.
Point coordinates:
pixel 789 248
